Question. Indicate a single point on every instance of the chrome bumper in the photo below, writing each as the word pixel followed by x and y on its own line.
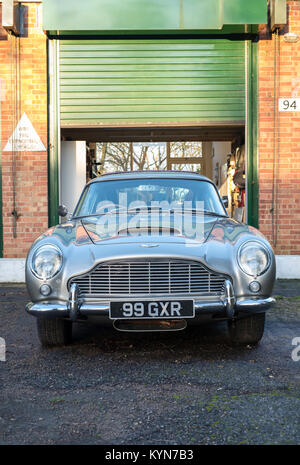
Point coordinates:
pixel 228 305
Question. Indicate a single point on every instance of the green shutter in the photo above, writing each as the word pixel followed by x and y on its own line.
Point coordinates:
pixel 114 82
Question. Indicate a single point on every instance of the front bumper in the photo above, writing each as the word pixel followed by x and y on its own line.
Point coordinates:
pixel 228 306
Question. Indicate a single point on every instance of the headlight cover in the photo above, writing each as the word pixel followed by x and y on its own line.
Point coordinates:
pixel 253 258
pixel 46 261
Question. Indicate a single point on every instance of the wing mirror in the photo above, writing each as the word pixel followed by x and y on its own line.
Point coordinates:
pixel 62 210
pixel 225 201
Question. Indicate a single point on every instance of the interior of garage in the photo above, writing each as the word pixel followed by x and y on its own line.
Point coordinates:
pixel 100 151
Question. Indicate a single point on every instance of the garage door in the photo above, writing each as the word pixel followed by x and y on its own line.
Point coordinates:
pixel 114 82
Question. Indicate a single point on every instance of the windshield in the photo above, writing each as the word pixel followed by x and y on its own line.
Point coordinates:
pixel 146 193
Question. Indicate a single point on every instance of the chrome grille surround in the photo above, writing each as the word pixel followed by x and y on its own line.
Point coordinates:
pixel 145 278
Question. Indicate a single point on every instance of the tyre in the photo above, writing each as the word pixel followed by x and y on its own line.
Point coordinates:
pixel 248 330
pixel 54 332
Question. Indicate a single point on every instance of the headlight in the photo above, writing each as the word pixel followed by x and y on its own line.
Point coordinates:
pixel 253 258
pixel 46 261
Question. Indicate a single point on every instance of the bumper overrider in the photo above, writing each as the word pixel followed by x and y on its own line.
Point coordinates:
pixel 227 306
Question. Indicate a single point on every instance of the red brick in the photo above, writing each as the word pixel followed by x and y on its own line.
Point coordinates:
pixel 31 172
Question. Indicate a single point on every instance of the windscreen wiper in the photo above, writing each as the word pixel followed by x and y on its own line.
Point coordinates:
pixel 194 211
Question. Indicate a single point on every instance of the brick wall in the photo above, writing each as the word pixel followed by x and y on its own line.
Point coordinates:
pixel 288 182
pixel 31 167
pixel 31 198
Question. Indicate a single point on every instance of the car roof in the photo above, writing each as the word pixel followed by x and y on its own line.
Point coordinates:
pixel 150 174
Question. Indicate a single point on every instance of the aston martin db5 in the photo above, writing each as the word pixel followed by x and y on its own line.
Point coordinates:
pixel 150 251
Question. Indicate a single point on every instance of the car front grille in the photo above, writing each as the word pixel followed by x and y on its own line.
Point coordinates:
pixel 148 278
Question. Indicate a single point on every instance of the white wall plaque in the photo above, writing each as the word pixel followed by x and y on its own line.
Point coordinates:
pixel 24 138
pixel 289 104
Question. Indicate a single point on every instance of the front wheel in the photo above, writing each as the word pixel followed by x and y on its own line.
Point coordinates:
pixel 248 330
pixel 54 332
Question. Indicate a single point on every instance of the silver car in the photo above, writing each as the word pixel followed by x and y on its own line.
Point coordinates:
pixel 150 251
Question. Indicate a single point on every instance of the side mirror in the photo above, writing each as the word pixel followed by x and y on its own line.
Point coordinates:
pixel 62 210
pixel 225 201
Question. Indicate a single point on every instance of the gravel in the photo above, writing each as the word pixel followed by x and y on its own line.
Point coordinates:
pixel 181 388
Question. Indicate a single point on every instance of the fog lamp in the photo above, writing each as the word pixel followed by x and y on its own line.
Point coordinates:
pixel 254 286
pixel 45 290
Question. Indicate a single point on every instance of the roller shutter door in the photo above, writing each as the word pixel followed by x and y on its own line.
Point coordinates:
pixel 114 82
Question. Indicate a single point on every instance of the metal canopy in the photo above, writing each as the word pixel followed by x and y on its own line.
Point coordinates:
pixel 148 16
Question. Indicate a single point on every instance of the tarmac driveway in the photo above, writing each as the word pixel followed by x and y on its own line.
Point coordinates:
pixel 180 388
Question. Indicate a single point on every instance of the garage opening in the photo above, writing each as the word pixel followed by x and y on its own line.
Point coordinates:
pixel 178 149
pixel 136 104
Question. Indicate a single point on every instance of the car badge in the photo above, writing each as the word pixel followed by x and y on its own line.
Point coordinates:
pixel 149 245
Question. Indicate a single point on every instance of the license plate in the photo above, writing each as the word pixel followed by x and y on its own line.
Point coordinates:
pixel 162 309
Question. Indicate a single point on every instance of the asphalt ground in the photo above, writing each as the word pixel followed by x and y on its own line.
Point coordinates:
pixel 189 387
